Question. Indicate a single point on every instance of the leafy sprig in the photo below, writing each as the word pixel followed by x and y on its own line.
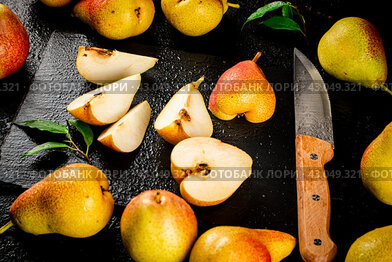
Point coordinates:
pixel 285 21
pixel 56 128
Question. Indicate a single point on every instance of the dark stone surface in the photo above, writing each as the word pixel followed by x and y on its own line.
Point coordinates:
pixel 359 116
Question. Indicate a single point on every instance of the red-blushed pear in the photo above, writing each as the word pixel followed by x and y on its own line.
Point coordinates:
pixel 185 115
pixel 102 66
pixel 72 201
pixel 106 104
pixel 56 3
pixel 158 226
pixel 243 90
pixel 232 244
pixel 208 170
pixel 127 133
pixel 14 42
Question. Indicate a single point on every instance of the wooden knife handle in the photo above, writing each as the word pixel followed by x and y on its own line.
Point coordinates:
pixel 314 203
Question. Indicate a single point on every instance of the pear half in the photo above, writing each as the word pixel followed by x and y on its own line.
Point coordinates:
pixel 185 115
pixel 208 170
pixel 106 104
pixel 102 66
pixel 127 134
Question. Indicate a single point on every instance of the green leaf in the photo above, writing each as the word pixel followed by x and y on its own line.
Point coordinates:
pixel 281 22
pixel 45 146
pixel 287 11
pixel 84 129
pixel 263 10
pixel 44 125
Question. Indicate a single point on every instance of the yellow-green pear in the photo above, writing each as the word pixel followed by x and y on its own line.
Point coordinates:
pixel 116 19
pixel 376 166
pixel 158 226
pixel 195 17
pixel 375 246
pixel 73 201
pixel 352 50
pixel 232 244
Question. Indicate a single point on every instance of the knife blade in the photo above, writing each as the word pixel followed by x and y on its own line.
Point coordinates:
pixel 314 148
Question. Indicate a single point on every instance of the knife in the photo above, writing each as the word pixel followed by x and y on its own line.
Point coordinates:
pixel 314 148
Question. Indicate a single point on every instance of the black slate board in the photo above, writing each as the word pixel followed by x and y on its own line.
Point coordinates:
pixel 57 82
pixel 359 115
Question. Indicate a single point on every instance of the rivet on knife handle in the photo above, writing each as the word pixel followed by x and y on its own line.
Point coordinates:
pixel 314 205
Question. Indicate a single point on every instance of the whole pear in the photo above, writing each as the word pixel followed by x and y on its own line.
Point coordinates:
pixel 195 17
pixel 56 3
pixel 376 166
pixel 14 42
pixel 231 244
pixel 243 90
pixel 352 50
pixel 158 226
pixel 116 19
pixel 73 201
pixel 375 245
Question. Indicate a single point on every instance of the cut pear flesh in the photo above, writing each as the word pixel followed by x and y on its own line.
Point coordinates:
pixel 185 115
pixel 127 134
pixel 106 104
pixel 102 66
pixel 208 170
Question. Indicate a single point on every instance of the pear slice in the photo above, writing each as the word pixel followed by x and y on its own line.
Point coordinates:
pixel 127 134
pixel 185 115
pixel 208 170
pixel 106 104
pixel 102 66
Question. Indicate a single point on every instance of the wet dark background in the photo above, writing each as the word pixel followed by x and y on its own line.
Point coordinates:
pixel 359 116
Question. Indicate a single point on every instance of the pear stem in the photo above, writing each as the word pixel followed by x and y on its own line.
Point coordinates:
pixel 257 56
pixel 198 82
pixel 233 5
pixel 6 226
pixel 158 197
pixel 386 89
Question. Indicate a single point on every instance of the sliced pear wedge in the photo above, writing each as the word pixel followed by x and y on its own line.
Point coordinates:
pixel 185 115
pixel 127 133
pixel 106 104
pixel 102 66
pixel 208 170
